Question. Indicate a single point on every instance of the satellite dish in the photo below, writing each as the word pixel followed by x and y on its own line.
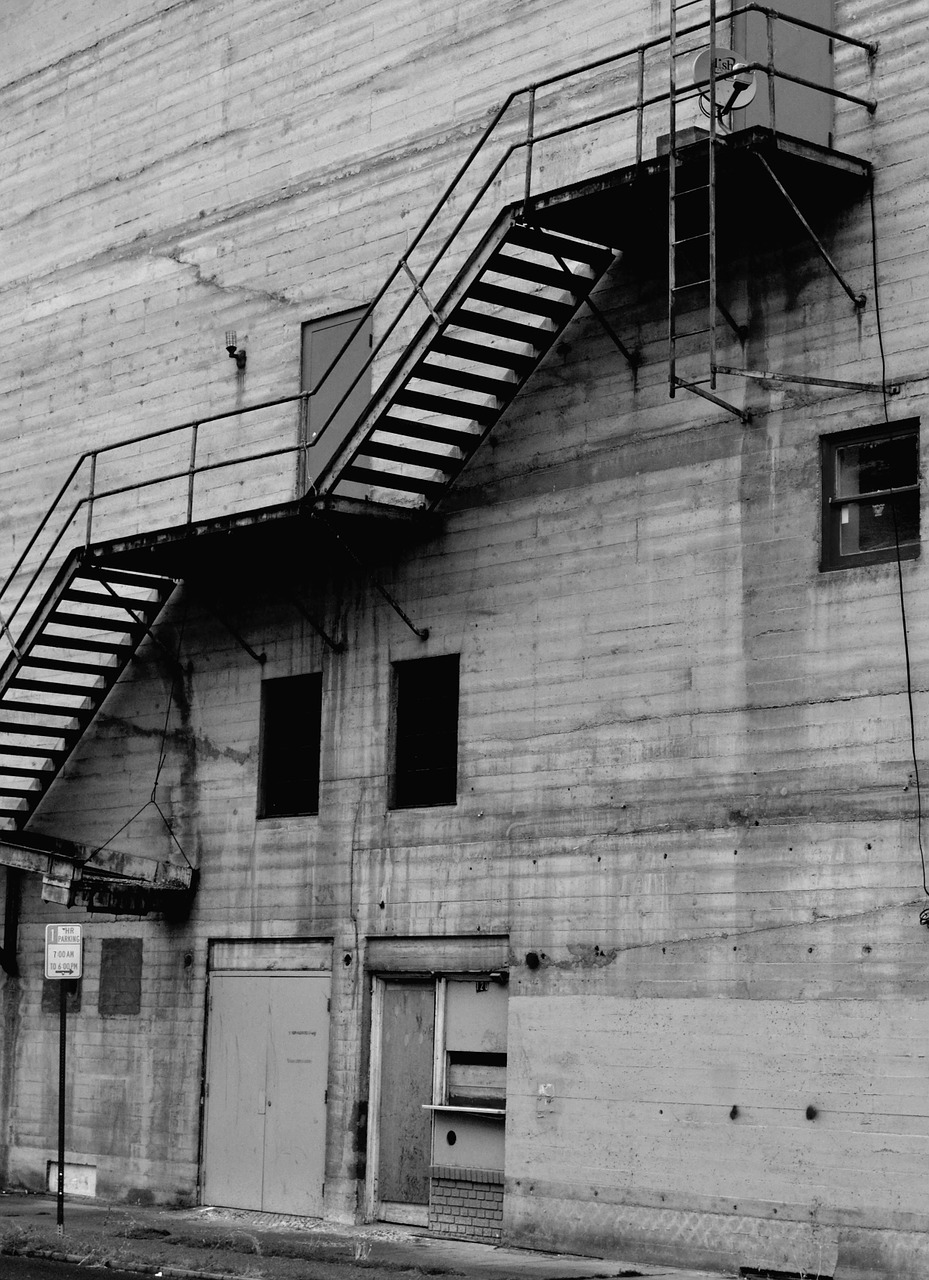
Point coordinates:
pixel 735 84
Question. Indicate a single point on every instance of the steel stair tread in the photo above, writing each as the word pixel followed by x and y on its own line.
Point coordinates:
pixel 38 728
pixel 452 408
pixel 516 300
pixel 539 337
pixel 39 708
pixel 138 609
pixel 45 641
pixel 87 622
pixel 529 237
pixel 413 457
pixel 22 771
pixel 465 379
pixel 423 431
pixel 125 577
pixel 67 666
pixel 392 480
pixel 525 269
pixel 473 351
pixel 46 686
pixel 37 753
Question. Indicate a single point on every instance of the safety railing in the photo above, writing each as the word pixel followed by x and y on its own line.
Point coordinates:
pixel 525 137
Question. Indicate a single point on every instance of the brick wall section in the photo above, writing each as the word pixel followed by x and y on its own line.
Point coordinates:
pixel 466 1204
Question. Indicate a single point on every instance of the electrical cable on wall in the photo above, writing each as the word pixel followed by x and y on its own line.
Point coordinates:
pixel 162 758
pixel 924 914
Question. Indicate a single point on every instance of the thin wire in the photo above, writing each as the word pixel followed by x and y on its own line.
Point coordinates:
pixel 924 914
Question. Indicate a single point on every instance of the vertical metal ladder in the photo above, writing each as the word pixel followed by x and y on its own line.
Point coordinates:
pixel 691 203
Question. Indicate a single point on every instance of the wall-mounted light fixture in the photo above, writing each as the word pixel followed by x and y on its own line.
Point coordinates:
pixel 236 353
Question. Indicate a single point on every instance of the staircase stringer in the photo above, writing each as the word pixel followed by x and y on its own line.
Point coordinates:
pixel 418 346
pixel 66 663
pixel 525 293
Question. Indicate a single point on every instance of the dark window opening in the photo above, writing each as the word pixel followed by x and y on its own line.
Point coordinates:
pixel 426 732
pixel 291 719
pixel 475 1079
pixel 871 495
pixel 120 977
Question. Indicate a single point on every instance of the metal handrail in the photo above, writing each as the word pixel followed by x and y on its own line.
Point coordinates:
pixel 528 144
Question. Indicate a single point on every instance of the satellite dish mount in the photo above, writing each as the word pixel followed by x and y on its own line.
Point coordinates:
pixel 735 84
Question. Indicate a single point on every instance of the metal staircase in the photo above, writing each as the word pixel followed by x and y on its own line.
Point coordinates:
pixel 442 382
pixel 78 643
pixel 514 298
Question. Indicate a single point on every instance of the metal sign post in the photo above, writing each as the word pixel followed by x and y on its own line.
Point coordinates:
pixel 64 963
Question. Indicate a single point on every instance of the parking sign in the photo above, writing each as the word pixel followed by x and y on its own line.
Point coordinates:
pixel 63 951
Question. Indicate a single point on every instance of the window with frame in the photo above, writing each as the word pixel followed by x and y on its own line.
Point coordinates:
pixel 425 739
pixel 870 495
pixel 289 755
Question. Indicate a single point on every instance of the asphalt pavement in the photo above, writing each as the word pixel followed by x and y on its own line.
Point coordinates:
pixel 229 1244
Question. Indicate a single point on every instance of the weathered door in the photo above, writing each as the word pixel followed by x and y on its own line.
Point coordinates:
pixel 407 1036
pixel 265 1122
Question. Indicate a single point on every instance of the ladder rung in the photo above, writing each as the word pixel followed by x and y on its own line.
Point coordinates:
pixel 694 284
pixel 701 235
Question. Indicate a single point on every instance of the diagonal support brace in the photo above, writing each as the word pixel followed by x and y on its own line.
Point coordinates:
pixel 743 415
pixel 858 299
pixel 421 632
pixel 336 646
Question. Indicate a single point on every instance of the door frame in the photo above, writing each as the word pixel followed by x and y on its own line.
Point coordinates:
pixel 297 957
pixel 413 1214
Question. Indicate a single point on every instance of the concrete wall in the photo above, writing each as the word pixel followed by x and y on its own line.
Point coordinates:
pixel 685 772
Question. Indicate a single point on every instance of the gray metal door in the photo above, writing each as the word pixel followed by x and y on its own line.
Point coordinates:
pixel 265 1123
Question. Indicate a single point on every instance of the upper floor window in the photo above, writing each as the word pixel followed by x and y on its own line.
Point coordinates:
pixel 871 495
pixel 291 718
pixel 425 732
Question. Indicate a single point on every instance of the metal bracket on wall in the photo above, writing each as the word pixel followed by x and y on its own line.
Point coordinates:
pixel 858 299
pixel 335 645
pixel 632 358
pixel 767 375
pixel 260 658
pixel 421 632
pixel 743 415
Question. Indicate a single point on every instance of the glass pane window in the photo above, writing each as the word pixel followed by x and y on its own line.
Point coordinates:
pixel 871 495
